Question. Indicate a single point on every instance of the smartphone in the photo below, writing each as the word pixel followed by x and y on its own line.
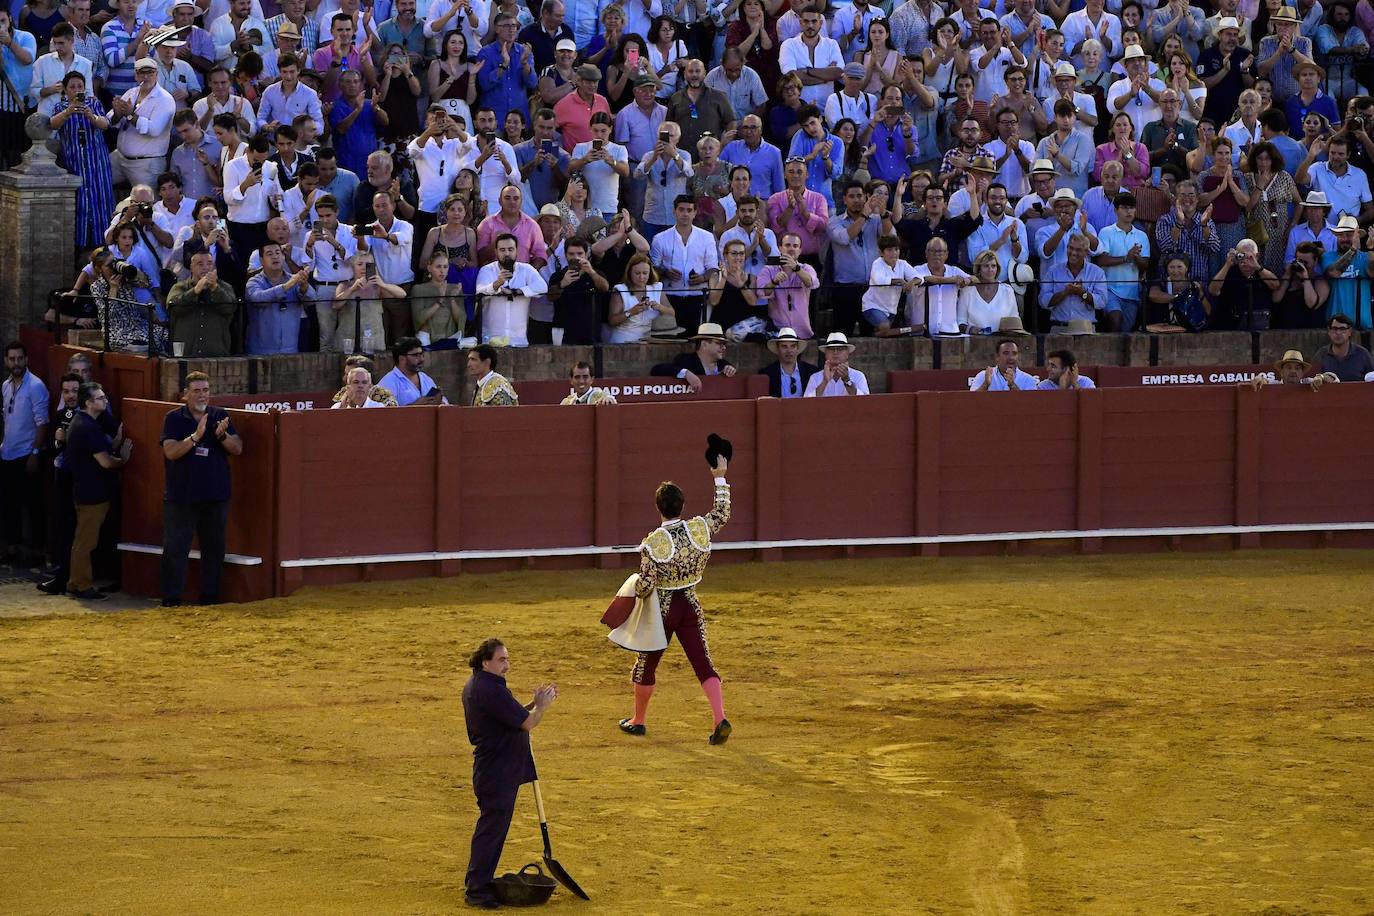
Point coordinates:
pixel 370 270
pixel 895 109
pixel 257 169
pixel 81 98
pixel 222 226
pixel 436 392
pixel 598 144
pixel 548 146
pixel 664 136
pixel 632 57
pixel 773 260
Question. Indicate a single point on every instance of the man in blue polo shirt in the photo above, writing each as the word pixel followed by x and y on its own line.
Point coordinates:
pixel 406 381
pixel 197 440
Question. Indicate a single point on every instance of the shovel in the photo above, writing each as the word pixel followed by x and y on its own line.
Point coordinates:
pixel 558 871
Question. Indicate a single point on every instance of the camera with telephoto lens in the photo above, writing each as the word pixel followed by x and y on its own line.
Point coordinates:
pixel 144 210
pixel 126 272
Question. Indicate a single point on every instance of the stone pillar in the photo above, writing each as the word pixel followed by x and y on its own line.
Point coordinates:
pixel 38 229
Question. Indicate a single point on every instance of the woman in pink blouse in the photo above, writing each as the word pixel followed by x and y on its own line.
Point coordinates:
pixel 1124 148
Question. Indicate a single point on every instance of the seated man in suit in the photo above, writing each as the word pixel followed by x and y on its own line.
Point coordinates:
pixel 788 374
pixel 707 359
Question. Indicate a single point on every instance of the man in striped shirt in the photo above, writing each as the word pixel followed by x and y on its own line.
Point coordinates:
pixel 123 41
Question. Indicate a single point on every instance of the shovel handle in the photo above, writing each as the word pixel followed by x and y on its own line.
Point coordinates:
pixel 539 803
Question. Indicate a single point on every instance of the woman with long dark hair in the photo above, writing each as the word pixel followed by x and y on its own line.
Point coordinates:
pixel 79 121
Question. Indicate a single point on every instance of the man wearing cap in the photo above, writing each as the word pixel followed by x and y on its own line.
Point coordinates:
pixel 788 375
pixel 700 110
pixel 1345 186
pixel 836 378
pixel 306 28
pixel 707 358
pixel 851 102
pixel 1342 358
pixel 1280 53
pixel 1307 96
pixel 1092 22
pixel 1315 210
pixel 283 100
pixel 738 83
pixel 558 78
pixel 1345 269
pixel 1006 374
pixel 574 111
pixel 1036 209
pixel 143 117
pixel 1226 70
pixel 636 128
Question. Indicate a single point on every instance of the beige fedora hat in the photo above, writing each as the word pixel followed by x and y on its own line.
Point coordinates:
pixel 1079 327
pixel 787 334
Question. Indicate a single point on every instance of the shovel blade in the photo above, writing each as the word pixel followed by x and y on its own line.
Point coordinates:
pixel 561 875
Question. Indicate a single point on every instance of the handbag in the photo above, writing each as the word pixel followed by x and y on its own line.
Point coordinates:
pixel 1186 310
pixel 1256 228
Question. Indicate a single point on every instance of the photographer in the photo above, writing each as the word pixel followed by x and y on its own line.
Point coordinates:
pixel 132 294
pixel 575 290
pixel 202 308
pixel 1301 297
pixel 151 234
pixel 506 286
pixel 207 231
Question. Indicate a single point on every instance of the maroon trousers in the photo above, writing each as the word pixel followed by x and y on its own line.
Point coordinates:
pixel 683 618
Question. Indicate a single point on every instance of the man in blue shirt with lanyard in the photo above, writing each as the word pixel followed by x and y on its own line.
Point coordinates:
pixel 197 440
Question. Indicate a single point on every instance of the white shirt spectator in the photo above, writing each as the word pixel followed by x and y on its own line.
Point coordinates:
pixel 436 10
pixel 173 223
pixel 1077 29
pixel 338 405
pixel 1347 193
pixel 1024 381
pixel 860 109
pixel 746 94
pixel 637 19
pixel 989 80
pixel 330 267
pixel 219 8
pixel 275 105
pixel 939 302
pixel 176 259
pixel 795 55
pixel 835 387
pixel 254 204
pixel 235 105
pixel 293 210
pixel 506 313
pixel 1142 109
pixel 881 293
pixel 696 255
pixel 157 12
pixel 603 182
pixel 635 328
pixel 223 33
pixel 50 69
pixel 983 316
pixel 436 165
pixel 493 176
pixel 1242 138
pixel 1012 174
pixel 989 232
pixel 758 259
pixel 147 132
pixel 393 261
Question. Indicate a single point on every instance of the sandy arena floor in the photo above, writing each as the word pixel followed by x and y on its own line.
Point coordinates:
pixel 1169 734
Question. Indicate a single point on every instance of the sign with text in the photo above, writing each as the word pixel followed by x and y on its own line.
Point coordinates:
pixel 648 389
pixel 281 400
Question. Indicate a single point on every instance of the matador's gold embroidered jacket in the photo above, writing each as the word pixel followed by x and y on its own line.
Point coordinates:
pixel 673 557
pixel 495 392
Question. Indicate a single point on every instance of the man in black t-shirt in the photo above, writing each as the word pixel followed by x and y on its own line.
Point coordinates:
pixel 1226 70
pixel 573 289
pixel 90 457
pixel 197 440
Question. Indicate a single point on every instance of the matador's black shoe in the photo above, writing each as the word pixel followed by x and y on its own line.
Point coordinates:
pixel 630 728
pixel 722 732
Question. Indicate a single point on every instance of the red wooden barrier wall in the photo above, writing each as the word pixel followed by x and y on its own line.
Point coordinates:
pixel 408 484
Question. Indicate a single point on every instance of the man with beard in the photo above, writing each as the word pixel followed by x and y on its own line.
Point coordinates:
pixel 1226 69
pixel 407 379
pixel 506 286
pixel 815 58
pixel 699 109
pixel 854 244
pixel 1345 269
pixel 760 242
pixel 917 233
pixel 1001 233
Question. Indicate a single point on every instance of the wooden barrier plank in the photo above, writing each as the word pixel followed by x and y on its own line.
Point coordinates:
pixel 1088 515
pixel 606 490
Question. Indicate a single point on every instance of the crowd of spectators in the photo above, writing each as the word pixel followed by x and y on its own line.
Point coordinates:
pixel 328 175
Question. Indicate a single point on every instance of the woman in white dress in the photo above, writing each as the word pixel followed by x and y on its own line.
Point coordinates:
pixel 986 302
pixel 637 302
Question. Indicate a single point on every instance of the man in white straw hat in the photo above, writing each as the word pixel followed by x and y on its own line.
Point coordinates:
pixel 1343 268
pixel 1226 67
pixel 1138 93
pixel 708 358
pixel 1070 222
pixel 788 375
pixel 1279 54
pixel 1291 370
pixel 836 378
